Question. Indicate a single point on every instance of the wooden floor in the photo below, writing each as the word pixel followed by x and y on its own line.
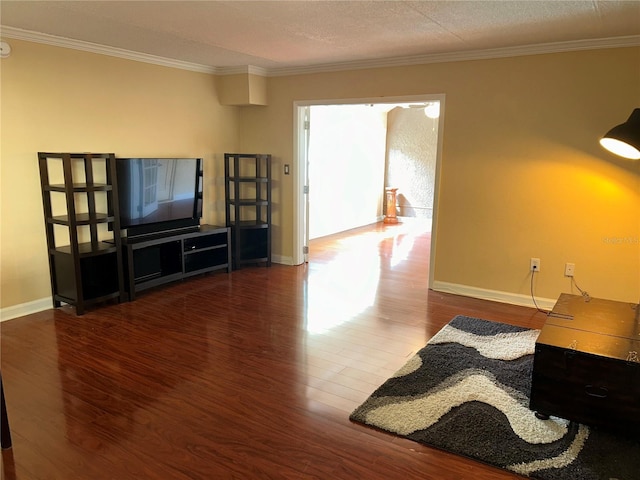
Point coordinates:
pixel 248 375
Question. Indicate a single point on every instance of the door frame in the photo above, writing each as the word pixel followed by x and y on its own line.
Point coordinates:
pixel 300 163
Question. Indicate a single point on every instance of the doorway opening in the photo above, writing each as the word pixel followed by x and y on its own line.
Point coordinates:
pixel 348 151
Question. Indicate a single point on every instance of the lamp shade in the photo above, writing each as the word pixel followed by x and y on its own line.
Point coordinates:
pixel 624 139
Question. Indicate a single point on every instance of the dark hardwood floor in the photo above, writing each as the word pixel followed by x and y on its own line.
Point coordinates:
pixel 248 375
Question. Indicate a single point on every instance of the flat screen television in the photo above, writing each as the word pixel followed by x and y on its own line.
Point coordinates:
pixel 159 194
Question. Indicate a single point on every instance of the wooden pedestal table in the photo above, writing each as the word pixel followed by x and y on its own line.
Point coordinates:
pixel 391 217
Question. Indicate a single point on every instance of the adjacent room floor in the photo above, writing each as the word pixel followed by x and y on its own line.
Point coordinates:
pixel 247 375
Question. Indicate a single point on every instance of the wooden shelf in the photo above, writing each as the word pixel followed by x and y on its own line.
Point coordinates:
pixel 88 271
pixel 248 207
pixel 79 187
pixel 250 224
pixel 88 249
pixel 249 179
pixel 247 202
pixel 82 219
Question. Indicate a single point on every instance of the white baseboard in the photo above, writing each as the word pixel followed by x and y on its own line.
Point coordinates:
pixel 35 306
pixel 493 295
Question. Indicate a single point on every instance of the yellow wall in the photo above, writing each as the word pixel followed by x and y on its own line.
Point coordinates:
pixel 522 172
pixel 242 89
pixel 56 99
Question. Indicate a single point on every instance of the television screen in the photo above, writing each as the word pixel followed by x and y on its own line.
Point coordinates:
pixel 159 193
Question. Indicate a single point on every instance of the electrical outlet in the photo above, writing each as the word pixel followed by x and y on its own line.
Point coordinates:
pixel 569 269
pixel 535 264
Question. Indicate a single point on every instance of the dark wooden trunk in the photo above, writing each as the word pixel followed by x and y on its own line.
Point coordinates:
pixel 584 366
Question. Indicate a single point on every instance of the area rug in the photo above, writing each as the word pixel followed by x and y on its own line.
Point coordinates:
pixel 467 392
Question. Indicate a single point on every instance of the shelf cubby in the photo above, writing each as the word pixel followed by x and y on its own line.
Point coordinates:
pixel 85 264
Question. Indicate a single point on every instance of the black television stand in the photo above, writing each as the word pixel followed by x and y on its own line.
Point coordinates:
pixel 169 256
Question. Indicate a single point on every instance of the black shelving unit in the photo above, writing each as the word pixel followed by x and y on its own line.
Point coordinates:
pixel 85 254
pixel 248 207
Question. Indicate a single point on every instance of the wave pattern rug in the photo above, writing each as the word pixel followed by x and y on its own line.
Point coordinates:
pixel 467 392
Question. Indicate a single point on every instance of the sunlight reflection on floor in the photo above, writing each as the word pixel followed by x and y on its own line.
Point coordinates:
pixel 347 285
pixel 342 289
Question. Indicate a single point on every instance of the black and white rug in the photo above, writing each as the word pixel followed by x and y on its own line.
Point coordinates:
pixel 467 392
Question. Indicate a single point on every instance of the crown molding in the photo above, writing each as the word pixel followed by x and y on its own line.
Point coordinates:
pixel 44 38
pixel 537 49
pixel 250 69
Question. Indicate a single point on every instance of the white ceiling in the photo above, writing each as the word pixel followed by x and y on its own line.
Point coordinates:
pixel 280 35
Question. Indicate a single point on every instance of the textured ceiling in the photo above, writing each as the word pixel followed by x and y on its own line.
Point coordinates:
pixel 285 34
